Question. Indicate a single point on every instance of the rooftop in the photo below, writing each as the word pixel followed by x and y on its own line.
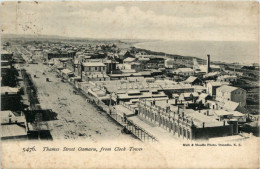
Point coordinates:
pixel 185 69
pixel 199 118
pixel 129 59
pixel 213 83
pixel 226 88
pixel 5 115
pixel 230 105
pixel 191 79
pixel 122 110
pixel 66 71
pixel 88 64
pixel 12 130
pixel 222 113
pixel 9 90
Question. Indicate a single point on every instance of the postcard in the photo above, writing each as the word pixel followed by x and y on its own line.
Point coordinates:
pixel 129 84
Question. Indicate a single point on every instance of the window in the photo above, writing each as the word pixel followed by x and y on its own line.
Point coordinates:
pixel 95 68
pixel 180 131
pixel 188 134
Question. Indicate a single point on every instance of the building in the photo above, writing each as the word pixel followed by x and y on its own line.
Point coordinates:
pixel 228 115
pixel 192 97
pixel 186 124
pixel 154 63
pixel 94 71
pixel 227 78
pixel 10 98
pixel 203 97
pixel 5 66
pixel 230 93
pixel 169 63
pixel 66 63
pixel 137 66
pixel 170 89
pixel 129 60
pixel 66 73
pixel 111 66
pixel 193 80
pixel 5 55
pixel 127 90
pixel 212 86
pixel 58 54
pixel 13 126
pixel 131 95
pixel 227 105
pixel 96 77
pixel 123 54
pixel 94 67
pixel 211 76
pixel 184 72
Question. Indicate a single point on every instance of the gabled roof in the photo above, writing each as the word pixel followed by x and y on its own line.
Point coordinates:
pixel 203 95
pixel 129 59
pixel 123 52
pixel 238 114
pixel 226 88
pixel 212 74
pixel 230 105
pixel 191 79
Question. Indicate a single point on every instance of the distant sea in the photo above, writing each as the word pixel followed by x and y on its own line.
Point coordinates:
pixel 245 52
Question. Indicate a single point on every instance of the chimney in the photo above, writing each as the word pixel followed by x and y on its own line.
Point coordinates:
pixel 208 64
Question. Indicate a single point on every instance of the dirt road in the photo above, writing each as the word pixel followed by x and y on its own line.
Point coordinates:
pixel 77 119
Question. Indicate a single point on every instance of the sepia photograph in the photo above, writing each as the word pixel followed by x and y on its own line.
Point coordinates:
pixel 130 84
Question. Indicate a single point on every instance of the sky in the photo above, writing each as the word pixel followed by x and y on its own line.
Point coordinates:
pixel 219 21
